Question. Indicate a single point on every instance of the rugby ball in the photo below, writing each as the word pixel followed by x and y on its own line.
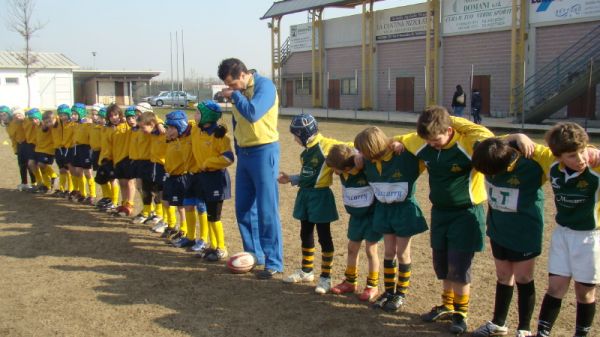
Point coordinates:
pixel 241 263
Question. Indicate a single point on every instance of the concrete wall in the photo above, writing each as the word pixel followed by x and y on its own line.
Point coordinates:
pixel 49 88
pixel 298 64
pixel 351 67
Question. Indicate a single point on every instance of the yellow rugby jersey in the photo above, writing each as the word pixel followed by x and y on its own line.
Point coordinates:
pixel 134 150
pixel 81 134
pixel 16 133
pixel 44 142
pixel 210 153
pixel 453 182
pixel 106 139
pixel 67 134
pixel 142 144
pixel 314 172
pixel 29 128
pixel 120 142
pixel 96 137
pixel 57 134
pixel 178 155
pixel 158 148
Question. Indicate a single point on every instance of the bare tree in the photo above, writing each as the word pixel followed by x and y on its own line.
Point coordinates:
pixel 20 21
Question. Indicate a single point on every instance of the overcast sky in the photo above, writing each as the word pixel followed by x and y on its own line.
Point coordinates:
pixel 134 34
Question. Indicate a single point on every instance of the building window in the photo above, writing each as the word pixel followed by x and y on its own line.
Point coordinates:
pixel 12 80
pixel 349 86
pixel 304 87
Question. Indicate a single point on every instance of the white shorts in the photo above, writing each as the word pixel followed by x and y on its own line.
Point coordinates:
pixel 575 254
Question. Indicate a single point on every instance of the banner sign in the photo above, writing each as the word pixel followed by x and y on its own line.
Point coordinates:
pixel 461 16
pixel 560 10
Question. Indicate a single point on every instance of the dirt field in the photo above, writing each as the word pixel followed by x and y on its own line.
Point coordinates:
pixel 68 270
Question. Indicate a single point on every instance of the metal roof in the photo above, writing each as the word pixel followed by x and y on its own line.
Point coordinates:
pixel 283 7
pixel 99 73
pixel 12 60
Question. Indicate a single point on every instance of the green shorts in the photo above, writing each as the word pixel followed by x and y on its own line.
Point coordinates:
pixel 404 219
pixel 361 228
pixel 316 205
pixel 458 229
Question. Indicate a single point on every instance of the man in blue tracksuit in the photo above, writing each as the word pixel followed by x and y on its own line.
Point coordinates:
pixel 255 112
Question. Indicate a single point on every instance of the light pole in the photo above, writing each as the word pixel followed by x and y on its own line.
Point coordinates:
pixel 94 60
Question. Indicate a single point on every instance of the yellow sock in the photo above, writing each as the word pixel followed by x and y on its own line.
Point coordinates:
pixel 82 189
pixel 158 210
pixel 217 228
pixel 191 217
pixel 203 219
pixel 92 186
pixel 373 279
pixel 461 304
pixel 183 223
pixel 71 182
pixel 63 182
pixel 171 217
pixel 45 178
pixel 448 299
pixel 105 190
pixel 146 210
pixel 50 174
pixel 212 235
pixel 116 189
pixel 351 274
pixel 38 176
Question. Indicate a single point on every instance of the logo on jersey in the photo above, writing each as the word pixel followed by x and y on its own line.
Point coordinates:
pixel 397 174
pixel 570 200
pixel 362 182
pixel 455 168
pixel 514 181
pixel 554 182
pixel 307 171
pixel 502 198
pixel 582 185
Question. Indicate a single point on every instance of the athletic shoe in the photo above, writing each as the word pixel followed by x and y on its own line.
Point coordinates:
pixel 139 219
pixel 102 202
pixel 267 274
pixel 381 300
pixel 168 231
pixel 524 333
pixel 394 303
pixel 23 187
pixel 439 312
pixel 56 194
pixel 344 288
pixel 175 235
pixel 152 220
pixel 89 201
pixel 216 255
pixel 300 276
pixel 159 227
pixel 199 247
pixel 40 189
pixel 109 208
pixel 368 294
pixel 183 243
pixel 490 329
pixel 459 324
pixel 124 211
pixel 323 286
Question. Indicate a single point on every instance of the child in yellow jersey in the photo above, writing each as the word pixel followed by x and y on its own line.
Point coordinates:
pixel 140 152
pixel 152 126
pixel 13 119
pixel 178 158
pixel 315 204
pixel 44 150
pixel 82 160
pixel 62 116
pixel 124 171
pixel 210 182
pixel 106 172
pixel 98 123
pixel 29 126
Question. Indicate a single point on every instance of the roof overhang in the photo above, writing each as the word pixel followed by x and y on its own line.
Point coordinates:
pixel 115 74
pixel 281 8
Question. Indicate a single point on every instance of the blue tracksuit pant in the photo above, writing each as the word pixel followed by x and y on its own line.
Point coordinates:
pixel 257 203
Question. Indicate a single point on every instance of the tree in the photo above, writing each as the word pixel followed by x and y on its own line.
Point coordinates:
pixel 20 21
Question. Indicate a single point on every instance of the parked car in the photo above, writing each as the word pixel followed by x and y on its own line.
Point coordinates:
pixel 176 98
pixel 219 98
pixel 147 98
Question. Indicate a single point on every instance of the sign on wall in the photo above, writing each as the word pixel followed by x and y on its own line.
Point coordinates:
pixel 401 23
pixel 560 10
pixel 301 37
pixel 461 16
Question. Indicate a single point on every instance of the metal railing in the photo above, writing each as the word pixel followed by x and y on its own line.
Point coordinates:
pixel 285 51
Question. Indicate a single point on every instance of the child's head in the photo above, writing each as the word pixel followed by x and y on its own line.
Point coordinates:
pixel 340 158
pixel 18 114
pixel 177 124
pixel 140 108
pixel 101 120
pixel 64 112
pixel 35 116
pixel 49 118
pixel 372 143
pixel 5 114
pixel 78 112
pixel 148 121
pixel 304 127
pixel 114 114
pixel 435 127
pixel 493 156
pixel 131 116
pixel 208 112
pixel 95 112
pixel 568 142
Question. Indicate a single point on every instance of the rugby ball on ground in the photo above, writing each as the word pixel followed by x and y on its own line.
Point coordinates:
pixel 241 263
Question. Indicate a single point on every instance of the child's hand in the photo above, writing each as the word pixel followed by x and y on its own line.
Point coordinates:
pixel 397 147
pixel 525 144
pixel 161 129
pixel 359 161
pixel 283 178
pixel 593 157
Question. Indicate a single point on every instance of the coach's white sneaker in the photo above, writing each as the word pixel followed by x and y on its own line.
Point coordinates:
pixel 300 276
pixel 490 329
pixel 23 187
pixel 323 286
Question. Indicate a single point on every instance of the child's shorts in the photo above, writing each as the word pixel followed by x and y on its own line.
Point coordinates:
pixel 44 158
pixel 105 173
pixel 61 157
pixel 21 153
pixel 210 186
pixel 124 169
pixel 174 189
pixel 28 151
pixel 83 156
pixel 158 176
pixel 575 254
pixel 95 160
pixel 361 228
pixel 403 219
pixel 143 169
pixel 506 254
pixel 461 229
pixel 452 265
pixel 316 205
pixel 70 155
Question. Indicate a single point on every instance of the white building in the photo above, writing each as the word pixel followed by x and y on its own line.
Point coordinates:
pixel 51 84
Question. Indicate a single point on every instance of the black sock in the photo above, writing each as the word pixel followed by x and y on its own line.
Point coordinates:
pixel 503 297
pixel 548 314
pixel 585 317
pixel 526 304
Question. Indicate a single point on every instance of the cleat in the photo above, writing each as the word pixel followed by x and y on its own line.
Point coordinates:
pixel 139 219
pixel 153 220
pixel 524 333
pixel 437 313
pixel 459 324
pixel 89 201
pixel 102 202
pixel 124 211
pixel 216 255
pixel 183 243
pixel 394 303
pixel 300 276
pixel 168 232
pixel 368 294
pixel 381 300
pixel 199 247
pixel 490 329
pixel 23 187
pixel 159 227
pixel 174 236
pixel 323 286
pixel 56 194
pixel 344 288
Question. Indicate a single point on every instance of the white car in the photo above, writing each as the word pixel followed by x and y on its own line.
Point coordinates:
pixel 173 98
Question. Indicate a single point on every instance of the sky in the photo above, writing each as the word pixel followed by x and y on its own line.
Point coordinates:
pixel 134 34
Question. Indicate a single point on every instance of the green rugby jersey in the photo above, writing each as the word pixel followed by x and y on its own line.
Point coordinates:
pixel 576 194
pixel 357 193
pixel 516 206
pixel 314 172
